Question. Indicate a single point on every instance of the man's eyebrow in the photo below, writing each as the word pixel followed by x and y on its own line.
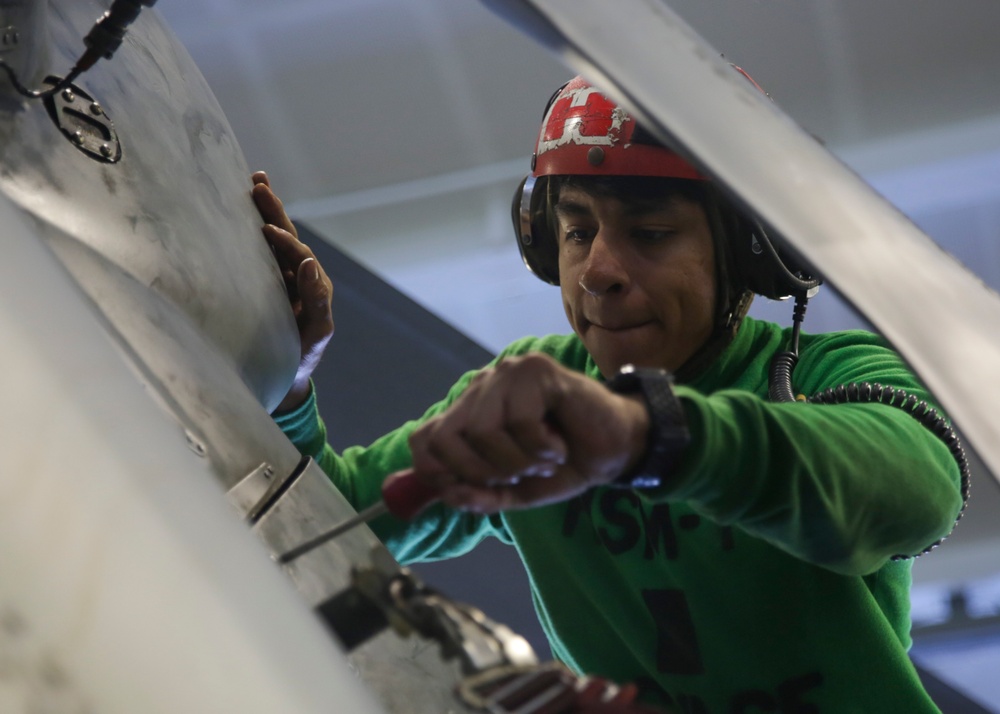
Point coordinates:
pixel 571 208
pixel 640 207
pixel 637 207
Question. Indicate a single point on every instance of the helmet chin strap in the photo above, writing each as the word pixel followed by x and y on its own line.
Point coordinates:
pixel 724 333
pixel 740 309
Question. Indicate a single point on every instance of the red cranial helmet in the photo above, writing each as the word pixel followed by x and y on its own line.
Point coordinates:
pixel 586 134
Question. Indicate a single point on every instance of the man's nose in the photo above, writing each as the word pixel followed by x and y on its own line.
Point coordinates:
pixel 604 272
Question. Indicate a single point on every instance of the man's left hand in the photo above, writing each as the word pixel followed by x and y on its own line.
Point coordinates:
pixel 310 290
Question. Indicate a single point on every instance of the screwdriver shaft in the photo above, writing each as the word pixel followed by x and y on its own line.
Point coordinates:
pixel 364 516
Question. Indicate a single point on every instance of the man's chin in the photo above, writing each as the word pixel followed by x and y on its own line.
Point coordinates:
pixel 610 361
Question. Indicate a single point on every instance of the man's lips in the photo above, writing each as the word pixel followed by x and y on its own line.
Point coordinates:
pixel 618 325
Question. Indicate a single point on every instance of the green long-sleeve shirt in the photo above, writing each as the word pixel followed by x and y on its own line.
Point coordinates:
pixel 758 577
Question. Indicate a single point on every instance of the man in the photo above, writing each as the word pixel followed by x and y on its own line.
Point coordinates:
pixel 726 552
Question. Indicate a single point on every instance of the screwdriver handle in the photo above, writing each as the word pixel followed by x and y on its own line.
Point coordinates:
pixel 405 495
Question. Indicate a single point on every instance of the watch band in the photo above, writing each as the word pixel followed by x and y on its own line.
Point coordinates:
pixel 668 432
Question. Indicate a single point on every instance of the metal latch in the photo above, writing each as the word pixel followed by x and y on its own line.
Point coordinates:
pixel 83 121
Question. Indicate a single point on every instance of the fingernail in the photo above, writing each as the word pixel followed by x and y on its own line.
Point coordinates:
pixel 312 270
pixel 544 470
pixel 552 456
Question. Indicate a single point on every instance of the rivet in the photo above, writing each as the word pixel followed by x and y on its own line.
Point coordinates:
pixel 105 150
pixel 78 137
pixel 526 239
pixel 95 108
pixel 595 157
pixel 68 95
pixel 194 444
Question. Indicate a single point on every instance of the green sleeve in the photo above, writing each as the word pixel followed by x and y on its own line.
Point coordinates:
pixel 843 486
pixel 358 473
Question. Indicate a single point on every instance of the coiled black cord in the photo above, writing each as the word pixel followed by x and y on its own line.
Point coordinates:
pixel 779 383
pixel 779 389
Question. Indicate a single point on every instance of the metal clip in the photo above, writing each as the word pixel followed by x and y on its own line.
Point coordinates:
pixel 548 688
pixel 542 689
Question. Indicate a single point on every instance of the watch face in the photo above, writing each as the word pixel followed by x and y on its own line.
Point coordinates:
pixel 645 481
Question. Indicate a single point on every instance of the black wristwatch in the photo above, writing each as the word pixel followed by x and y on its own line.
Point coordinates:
pixel 668 432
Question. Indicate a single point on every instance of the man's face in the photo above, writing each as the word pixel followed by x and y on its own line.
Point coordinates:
pixel 638 281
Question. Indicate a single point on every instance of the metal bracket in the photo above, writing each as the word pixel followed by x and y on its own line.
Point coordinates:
pixel 259 489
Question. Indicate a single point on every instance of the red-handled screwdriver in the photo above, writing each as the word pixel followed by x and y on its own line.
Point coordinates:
pixel 403 495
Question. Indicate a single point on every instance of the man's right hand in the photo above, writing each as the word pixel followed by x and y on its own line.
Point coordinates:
pixel 528 432
pixel 310 290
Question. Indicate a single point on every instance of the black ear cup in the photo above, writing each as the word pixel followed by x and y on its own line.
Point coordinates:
pixel 774 272
pixel 534 236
